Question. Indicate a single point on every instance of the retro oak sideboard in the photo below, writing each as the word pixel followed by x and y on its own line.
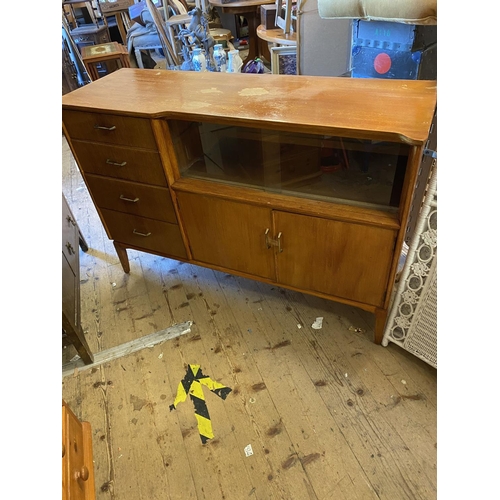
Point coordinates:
pixel 303 182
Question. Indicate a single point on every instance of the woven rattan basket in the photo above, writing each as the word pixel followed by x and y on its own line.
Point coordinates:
pixel 412 321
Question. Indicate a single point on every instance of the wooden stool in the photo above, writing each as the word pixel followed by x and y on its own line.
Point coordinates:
pixel 93 55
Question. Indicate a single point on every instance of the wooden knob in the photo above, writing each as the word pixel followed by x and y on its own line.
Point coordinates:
pixel 82 474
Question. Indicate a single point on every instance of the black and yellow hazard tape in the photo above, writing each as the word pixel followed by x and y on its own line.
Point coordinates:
pixel 192 384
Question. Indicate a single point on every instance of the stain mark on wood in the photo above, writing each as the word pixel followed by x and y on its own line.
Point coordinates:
pixel 360 392
pixel 350 402
pixel 163 396
pixel 138 402
pixel 306 460
pixel 134 421
pixel 320 383
pixel 274 430
pixel 289 462
pixel 284 343
pixel 270 477
pixel 237 369
pixel 190 296
pixel 106 486
pixel 236 391
pixel 175 287
pixel 195 338
pixel 288 308
pixel 186 432
pixel 266 451
pixel 184 304
pixel 217 349
pixel 259 387
pixel 413 397
pixel 145 316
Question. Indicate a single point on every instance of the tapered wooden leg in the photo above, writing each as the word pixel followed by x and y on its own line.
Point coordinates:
pixel 380 320
pixel 122 255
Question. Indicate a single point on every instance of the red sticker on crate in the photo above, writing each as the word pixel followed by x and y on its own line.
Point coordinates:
pixel 382 63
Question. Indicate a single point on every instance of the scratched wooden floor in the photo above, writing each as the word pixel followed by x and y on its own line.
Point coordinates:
pixel 328 414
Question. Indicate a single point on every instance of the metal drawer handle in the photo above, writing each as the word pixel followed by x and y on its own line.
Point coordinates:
pixel 141 234
pixel 135 200
pixel 105 128
pixel 70 248
pixel 111 162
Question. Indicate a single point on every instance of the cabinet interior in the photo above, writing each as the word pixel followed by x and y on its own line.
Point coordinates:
pixel 358 172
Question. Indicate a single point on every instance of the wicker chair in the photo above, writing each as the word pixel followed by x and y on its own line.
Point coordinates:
pixel 412 322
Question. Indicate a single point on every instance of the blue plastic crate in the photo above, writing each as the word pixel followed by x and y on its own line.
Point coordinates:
pixel 386 50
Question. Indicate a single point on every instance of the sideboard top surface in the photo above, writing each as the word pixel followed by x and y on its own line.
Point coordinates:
pixel 394 110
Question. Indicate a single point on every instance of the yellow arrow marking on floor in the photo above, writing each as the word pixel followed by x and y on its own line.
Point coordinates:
pixel 192 384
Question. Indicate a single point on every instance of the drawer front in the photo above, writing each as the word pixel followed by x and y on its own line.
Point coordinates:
pixel 70 237
pixel 111 129
pixel 132 198
pixel 149 234
pixel 75 457
pixel 120 162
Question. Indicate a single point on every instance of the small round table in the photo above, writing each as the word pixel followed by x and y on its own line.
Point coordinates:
pixel 250 10
pixel 276 36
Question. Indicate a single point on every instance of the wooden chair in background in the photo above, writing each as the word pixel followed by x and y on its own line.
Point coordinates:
pixel 88 26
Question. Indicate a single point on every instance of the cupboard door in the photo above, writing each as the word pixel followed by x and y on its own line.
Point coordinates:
pixel 346 260
pixel 227 234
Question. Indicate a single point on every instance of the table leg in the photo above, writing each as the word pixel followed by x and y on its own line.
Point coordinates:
pixel 253 20
pixel 121 28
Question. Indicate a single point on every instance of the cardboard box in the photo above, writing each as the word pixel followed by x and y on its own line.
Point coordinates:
pixel 268 16
pixel 113 6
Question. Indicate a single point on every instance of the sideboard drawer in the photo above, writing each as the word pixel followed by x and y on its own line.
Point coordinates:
pixel 70 246
pixel 132 198
pixel 120 162
pixel 157 236
pixel 110 129
pixel 78 482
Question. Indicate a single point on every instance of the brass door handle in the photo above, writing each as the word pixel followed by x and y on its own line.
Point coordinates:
pixel 271 242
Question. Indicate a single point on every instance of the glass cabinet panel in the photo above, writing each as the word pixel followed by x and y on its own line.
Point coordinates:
pixel 342 170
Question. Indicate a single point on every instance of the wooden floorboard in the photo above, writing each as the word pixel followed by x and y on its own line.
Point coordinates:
pixel 328 414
